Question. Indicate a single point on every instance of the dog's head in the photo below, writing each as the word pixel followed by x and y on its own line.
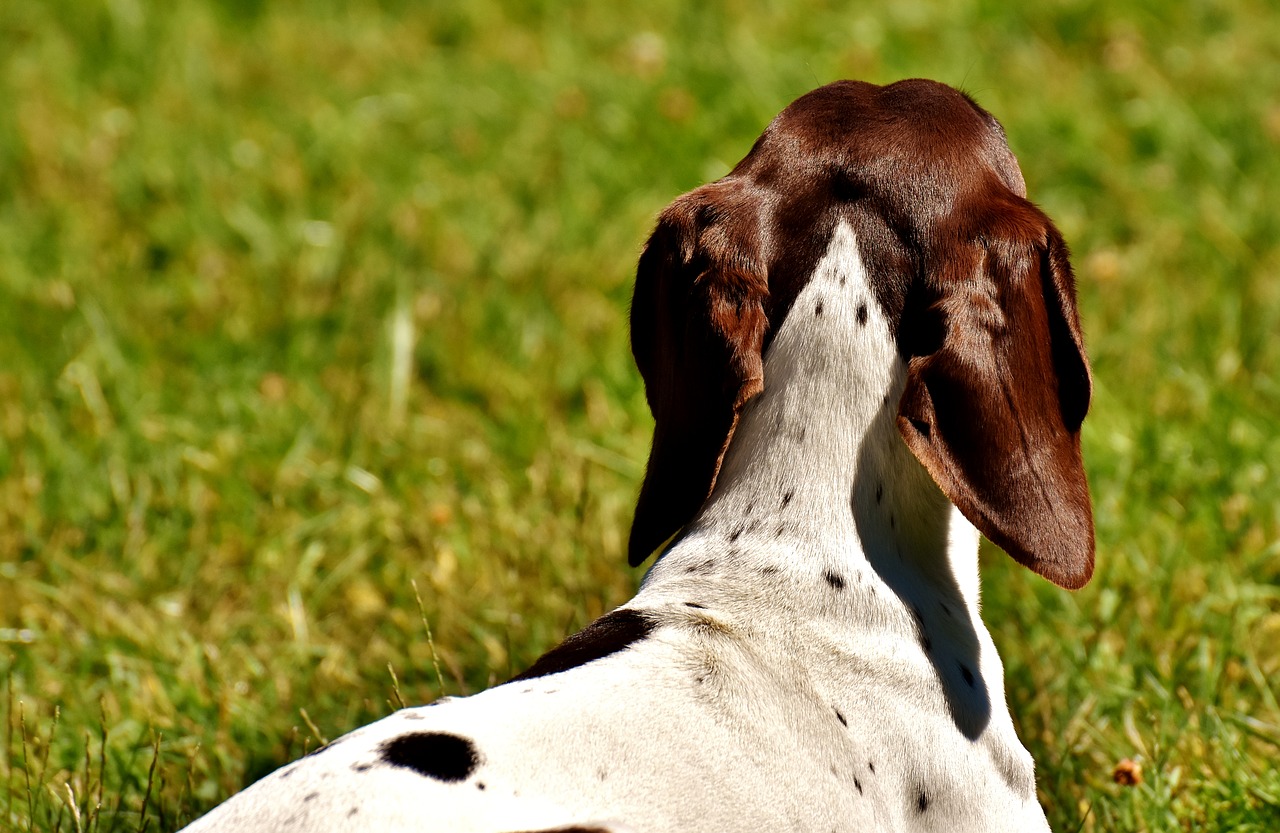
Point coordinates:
pixel 974 280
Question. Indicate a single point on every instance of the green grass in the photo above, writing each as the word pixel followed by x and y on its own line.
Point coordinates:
pixel 302 304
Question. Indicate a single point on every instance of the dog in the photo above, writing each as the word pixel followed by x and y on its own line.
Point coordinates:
pixel 861 349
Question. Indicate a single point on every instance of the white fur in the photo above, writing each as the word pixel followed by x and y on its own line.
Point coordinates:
pixel 798 694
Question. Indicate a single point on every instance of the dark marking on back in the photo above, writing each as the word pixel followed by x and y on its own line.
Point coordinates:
pixel 862 314
pixel 818 309
pixel 607 635
pixel 922 802
pixel 437 755
pixel 479 785
pixel 695 605
pixel 361 767
pixel 834 579
pixel 840 717
pixel 786 498
pixel 857 784
pixel 777 533
pixel 871 766
pixel 311 796
pixel 736 534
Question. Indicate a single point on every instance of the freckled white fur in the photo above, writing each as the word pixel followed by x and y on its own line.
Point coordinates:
pixel 818 685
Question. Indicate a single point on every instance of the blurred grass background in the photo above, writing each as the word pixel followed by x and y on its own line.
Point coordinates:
pixel 304 302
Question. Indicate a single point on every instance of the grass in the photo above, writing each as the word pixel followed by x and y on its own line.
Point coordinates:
pixel 305 304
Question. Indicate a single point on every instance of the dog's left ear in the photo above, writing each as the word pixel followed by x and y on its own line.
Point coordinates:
pixel 697 332
pixel 998 384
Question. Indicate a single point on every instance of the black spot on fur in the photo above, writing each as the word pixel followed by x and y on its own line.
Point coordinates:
pixel 871 766
pixel 311 796
pixel 777 533
pixel 736 534
pixel 607 635
pixel 353 811
pixel 361 767
pixel 921 634
pixel 840 717
pixel 786 498
pixel 751 507
pixel 967 674
pixel 858 784
pixel 437 755
pixel 879 493
pixel 479 785
pixel 922 802
pixel 835 580
pixel 695 605
pixel 818 309
pixel 862 315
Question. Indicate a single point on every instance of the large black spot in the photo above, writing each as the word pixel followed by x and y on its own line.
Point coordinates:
pixel 607 635
pixel 436 755
pixel 835 580
pixel 862 314
pixel 922 802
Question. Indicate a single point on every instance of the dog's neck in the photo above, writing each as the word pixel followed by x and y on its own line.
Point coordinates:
pixel 817 481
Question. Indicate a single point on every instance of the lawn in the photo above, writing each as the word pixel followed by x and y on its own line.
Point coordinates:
pixel 316 394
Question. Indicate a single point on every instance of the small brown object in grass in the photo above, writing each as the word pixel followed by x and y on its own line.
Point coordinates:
pixel 1127 773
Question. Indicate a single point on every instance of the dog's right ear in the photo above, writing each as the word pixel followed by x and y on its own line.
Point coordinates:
pixel 698 324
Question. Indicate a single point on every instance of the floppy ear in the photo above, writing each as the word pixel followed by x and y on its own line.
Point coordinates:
pixel 697 331
pixel 997 386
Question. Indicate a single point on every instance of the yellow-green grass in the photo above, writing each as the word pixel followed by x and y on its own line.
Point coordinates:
pixel 304 304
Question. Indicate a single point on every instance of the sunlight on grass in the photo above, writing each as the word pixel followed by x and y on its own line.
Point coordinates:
pixel 304 304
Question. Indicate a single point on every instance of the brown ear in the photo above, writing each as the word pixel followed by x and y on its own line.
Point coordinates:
pixel 697 331
pixel 993 403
